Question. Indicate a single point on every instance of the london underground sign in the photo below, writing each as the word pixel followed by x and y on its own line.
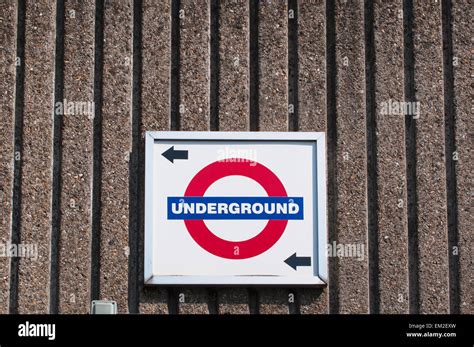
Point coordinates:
pixel 235 208
pixel 276 208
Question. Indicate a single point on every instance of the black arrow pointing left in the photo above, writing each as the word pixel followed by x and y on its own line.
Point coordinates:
pixel 294 261
pixel 171 154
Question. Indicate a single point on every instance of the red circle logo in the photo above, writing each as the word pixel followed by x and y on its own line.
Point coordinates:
pixel 235 249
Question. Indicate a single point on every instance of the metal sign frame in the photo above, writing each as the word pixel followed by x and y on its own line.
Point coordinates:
pixel 320 274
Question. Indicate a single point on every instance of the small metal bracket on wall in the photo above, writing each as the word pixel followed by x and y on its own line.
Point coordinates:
pixel 103 307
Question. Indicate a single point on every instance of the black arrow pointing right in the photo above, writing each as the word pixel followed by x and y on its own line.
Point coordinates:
pixel 294 261
pixel 171 154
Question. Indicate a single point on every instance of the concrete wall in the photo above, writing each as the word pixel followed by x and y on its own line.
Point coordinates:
pixel 72 184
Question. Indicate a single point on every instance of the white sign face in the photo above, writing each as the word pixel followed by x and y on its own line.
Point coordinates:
pixel 226 208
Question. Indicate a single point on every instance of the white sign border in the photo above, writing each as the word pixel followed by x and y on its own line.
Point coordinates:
pixel 319 279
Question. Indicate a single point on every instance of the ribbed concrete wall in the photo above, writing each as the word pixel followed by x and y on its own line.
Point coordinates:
pixel 72 183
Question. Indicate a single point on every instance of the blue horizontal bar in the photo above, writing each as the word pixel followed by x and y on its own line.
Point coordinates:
pixel 235 207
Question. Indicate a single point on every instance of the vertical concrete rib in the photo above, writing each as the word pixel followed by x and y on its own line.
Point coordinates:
pixel 37 156
pixel 194 65
pixel 76 110
pixel 273 103
pixel 8 54
pixel 233 65
pixel 312 114
pixel 116 147
pixel 392 241
pixel 430 161
pixel 463 70
pixel 233 104
pixel 194 107
pixel 57 157
pixel 351 165
pixel 273 65
pixel 155 114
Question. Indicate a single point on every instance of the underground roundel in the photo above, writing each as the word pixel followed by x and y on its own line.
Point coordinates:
pixel 235 208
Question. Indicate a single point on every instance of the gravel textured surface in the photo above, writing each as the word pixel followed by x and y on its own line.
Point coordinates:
pixel 155 108
pixel 273 65
pixel 273 103
pixel 312 65
pixel 351 166
pixel 312 104
pixel 391 166
pixel 194 83
pixel 233 301
pixel 233 104
pixel 430 168
pixel 116 146
pixel 76 173
pixel 194 59
pixel 463 49
pixel 234 65
pixel 120 177
pixel 193 301
pixel 36 156
pixel 7 124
